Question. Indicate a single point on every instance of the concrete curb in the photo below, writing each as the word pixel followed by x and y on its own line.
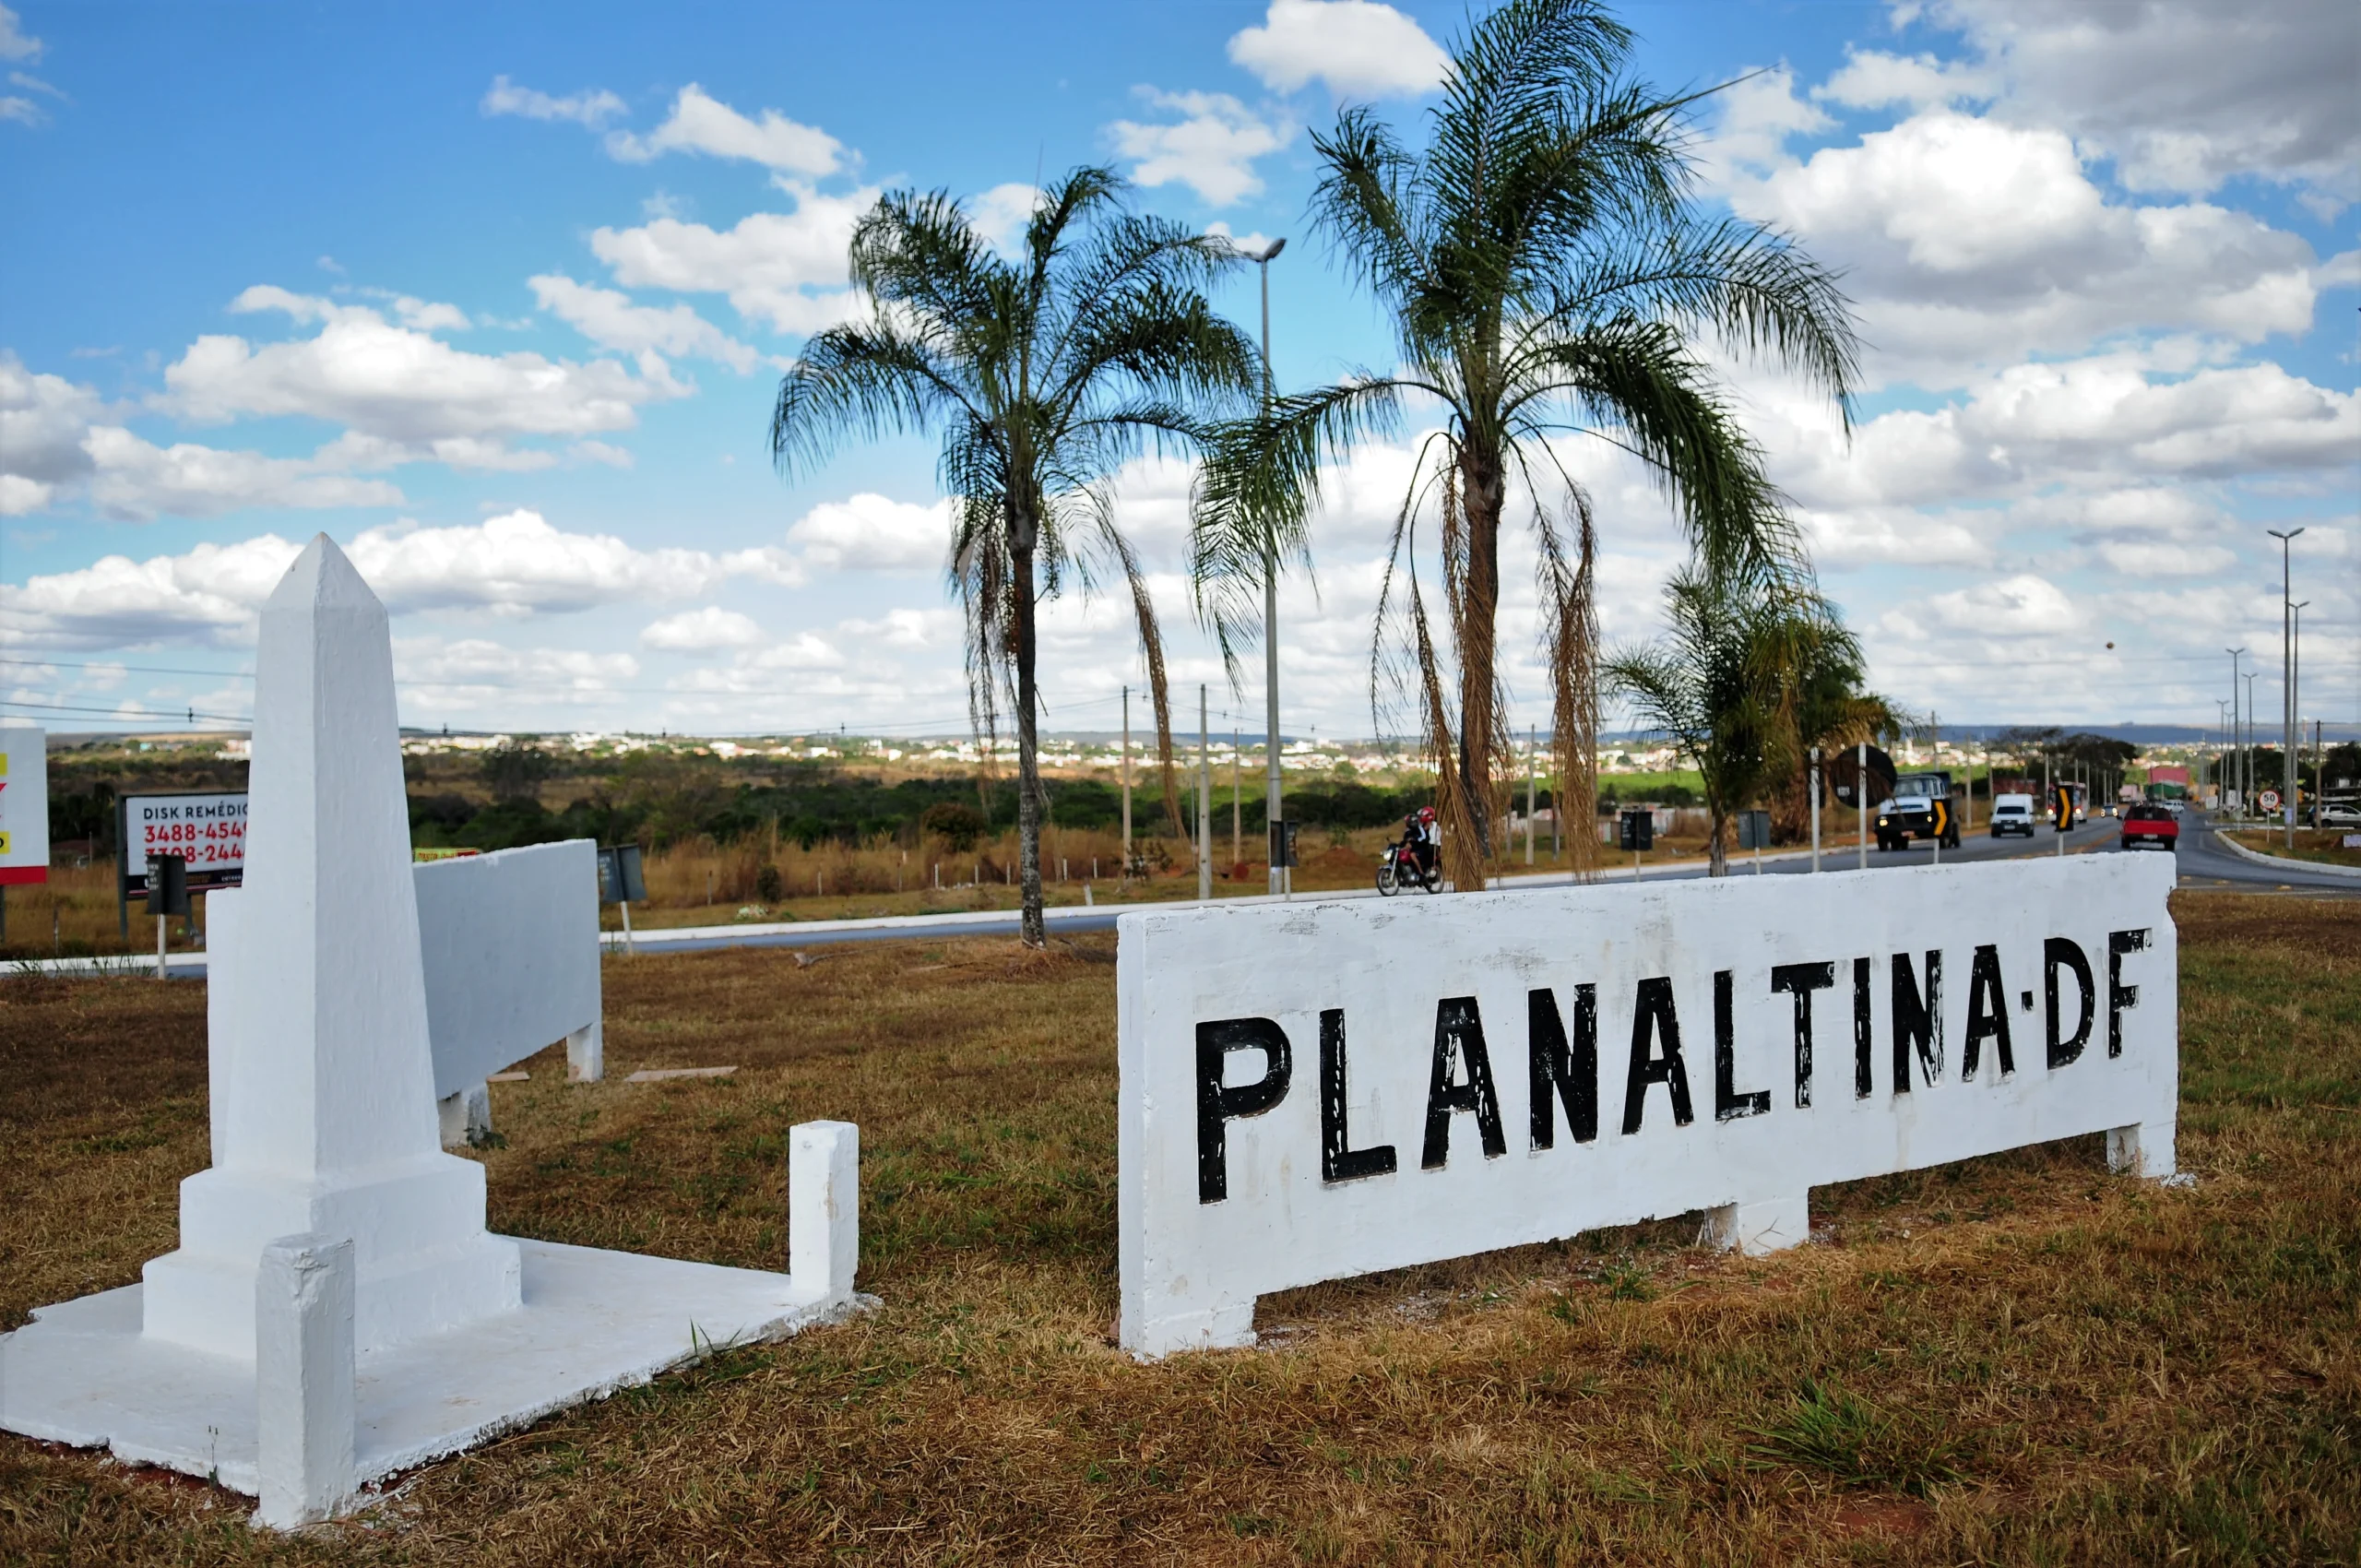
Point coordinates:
pixel 2284 862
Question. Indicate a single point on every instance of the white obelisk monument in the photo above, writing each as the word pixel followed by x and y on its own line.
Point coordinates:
pixel 335 1312
pixel 322 1079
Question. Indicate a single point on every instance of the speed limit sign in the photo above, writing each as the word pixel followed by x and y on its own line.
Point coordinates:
pixel 2269 800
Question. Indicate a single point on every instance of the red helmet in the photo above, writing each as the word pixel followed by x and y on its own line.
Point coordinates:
pixel 1426 813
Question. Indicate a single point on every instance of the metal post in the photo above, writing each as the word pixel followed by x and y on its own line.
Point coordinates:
pixel 2294 708
pixel 1814 795
pixel 160 944
pixel 2237 780
pixel 1532 750
pixel 1861 800
pixel 2286 678
pixel 2252 761
pixel 1204 806
pixel 1127 783
pixel 1282 878
pixel 1236 834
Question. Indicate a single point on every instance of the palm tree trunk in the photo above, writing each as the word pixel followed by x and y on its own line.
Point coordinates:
pixel 1717 858
pixel 1482 492
pixel 1029 740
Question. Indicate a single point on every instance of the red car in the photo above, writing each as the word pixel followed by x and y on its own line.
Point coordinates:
pixel 2151 826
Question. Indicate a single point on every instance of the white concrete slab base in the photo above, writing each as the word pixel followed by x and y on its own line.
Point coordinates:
pixel 593 1322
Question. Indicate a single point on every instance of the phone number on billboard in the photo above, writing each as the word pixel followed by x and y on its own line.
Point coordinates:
pixel 205 844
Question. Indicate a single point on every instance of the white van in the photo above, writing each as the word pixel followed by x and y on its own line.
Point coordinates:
pixel 2012 813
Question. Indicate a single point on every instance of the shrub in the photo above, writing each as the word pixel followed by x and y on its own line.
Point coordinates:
pixel 955 823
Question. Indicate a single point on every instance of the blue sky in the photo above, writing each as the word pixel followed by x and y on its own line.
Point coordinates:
pixel 498 297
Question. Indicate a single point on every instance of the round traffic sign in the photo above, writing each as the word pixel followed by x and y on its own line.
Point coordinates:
pixel 2269 800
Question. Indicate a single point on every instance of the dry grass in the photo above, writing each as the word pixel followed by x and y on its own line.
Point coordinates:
pixel 2017 1359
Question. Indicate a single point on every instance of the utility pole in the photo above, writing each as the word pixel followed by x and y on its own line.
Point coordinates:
pixel 1862 800
pixel 1127 784
pixel 2286 676
pixel 1282 879
pixel 1236 837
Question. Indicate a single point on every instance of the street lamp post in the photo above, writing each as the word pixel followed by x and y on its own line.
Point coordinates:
pixel 2295 710
pixel 1282 878
pixel 2253 762
pixel 2286 676
pixel 2238 736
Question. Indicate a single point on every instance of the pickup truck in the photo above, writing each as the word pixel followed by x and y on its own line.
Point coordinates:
pixel 1910 812
pixel 2150 826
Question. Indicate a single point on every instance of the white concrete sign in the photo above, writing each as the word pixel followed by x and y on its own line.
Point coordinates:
pixel 1328 1089
pixel 24 805
pixel 510 944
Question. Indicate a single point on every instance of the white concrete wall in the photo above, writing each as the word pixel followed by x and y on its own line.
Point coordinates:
pixel 1388 973
pixel 511 945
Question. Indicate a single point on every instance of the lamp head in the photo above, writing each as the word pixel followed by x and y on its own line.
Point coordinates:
pixel 1270 251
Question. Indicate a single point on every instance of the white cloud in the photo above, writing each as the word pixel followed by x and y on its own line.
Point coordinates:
pixel 23 111
pixel 2184 95
pixel 702 631
pixel 42 422
pixel 474 674
pixel 513 565
pixel 137 481
pixel 1753 117
pixel 1967 242
pixel 1001 214
pixel 2021 606
pixel 14 44
pixel 1355 46
pixel 589 107
pixel 403 386
pixel 787 269
pixel 869 533
pixel 1873 79
pixel 1211 149
pixel 702 124
pixel 932 628
pixel 610 319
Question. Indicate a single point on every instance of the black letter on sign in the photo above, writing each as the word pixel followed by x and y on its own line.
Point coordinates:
pixel 1652 1018
pixel 1216 1105
pixel 1803 979
pixel 1728 1103
pixel 2119 995
pixel 1987 1015
pixel 1459 1032
pixel 1338 1160
pixel 2059 950
pixel 1860 1028
pixel 1917 1020
pixel 1558 1071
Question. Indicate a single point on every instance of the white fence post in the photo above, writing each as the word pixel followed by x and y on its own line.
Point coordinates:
pixel 304 1372
pixel 824 1208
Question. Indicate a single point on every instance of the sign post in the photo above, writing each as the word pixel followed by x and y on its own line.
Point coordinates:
pixel 620 882
pixel 24 811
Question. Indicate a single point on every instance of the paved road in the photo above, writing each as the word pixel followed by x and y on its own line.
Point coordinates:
pixel 2204 865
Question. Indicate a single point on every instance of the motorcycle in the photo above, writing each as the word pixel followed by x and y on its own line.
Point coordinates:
pixel 1398 868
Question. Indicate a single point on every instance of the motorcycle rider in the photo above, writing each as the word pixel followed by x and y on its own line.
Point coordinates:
pixel 1425 838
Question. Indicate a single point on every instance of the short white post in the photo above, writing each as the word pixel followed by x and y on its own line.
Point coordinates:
pixel 303 1380
pixel 160 947
pixel 824 1208
pixel 1815 810
pixel 586 1054
pixel 1755 1229
pixel 2141 1149
pixel 465 1117
pixel 625 905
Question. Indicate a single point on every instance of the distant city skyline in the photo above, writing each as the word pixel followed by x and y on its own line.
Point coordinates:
pixel 500 298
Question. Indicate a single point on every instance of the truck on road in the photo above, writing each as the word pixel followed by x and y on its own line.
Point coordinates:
pixel 1922 807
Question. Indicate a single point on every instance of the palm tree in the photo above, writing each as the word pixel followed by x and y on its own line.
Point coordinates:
pixel 1725 682
pixel 1545 276
pixel 1042 373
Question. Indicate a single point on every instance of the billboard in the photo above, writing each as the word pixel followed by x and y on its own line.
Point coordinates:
pixel 207 830
pixel 24 806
